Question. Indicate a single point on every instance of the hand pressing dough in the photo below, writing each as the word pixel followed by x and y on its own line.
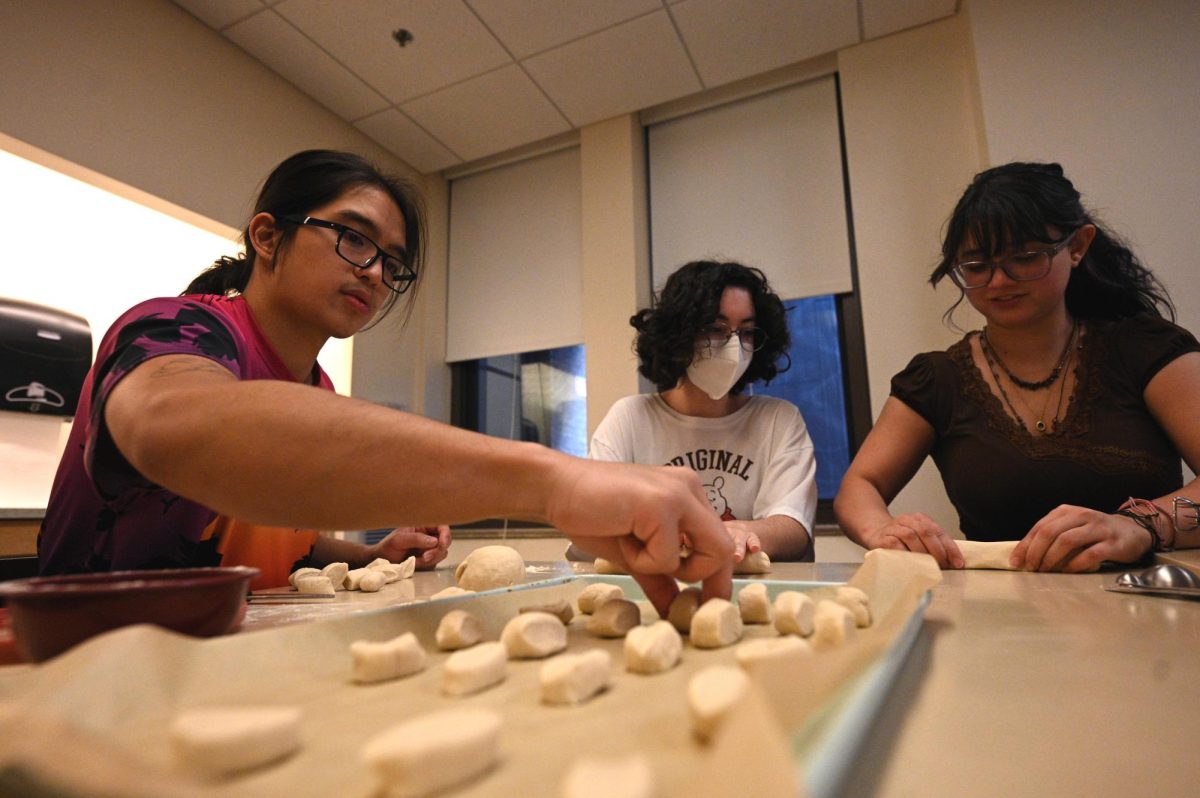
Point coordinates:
pixel 711 694
pixel 560 609
pixel 833 625
pixel 391 659
pixel 490 567
pixel 610 777
pixel 318 585
pixel 458 629
pixel 604 566
pixel 794 613
pixel 595 595
pixel 435 752
pixel 754 604
pixel 756 563
pixel 652 649
pixel 574 678
pixel 336 572
pixel 753 654
pixel 217 741
pixel 855 600
pixel 716 624
pixel 373 580
pixel 533 635
pixel 299 572
pixel 683 608
pixel 614 618
pixel 446 592
pixel 987 554
pixel 473 669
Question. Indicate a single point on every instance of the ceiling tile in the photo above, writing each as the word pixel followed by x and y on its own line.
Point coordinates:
pixel 219 13
pixel 526 27
pixel 401 135
pixel 730 40
pixel 273 40
pixel 449 44
pixel 881 17
pixel 488 114
pixel 616 71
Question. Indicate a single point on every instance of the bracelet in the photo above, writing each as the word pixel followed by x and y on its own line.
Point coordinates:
pixel 1147 513
pixel 1146 522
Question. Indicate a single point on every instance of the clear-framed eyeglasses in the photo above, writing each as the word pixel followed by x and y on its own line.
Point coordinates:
pixel 361 252
pixel 715 336
pixel 1187 514
pixel 1020 266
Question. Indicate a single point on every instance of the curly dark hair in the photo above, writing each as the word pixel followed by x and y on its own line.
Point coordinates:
pixel 690 301
pixel 1017 202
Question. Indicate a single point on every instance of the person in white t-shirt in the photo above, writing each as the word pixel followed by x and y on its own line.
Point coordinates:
pixel 716 328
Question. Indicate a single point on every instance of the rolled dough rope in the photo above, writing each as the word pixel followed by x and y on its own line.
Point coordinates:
pixel 610 777
pixel 855 600
pixel 652 649
pixel 446 592
pixel 336 571
pixel 373 580
pixel 711 694
pixel 458 629
pixel 987 554
pixel 794 613
pixel 756 563
pixel 752 654
pixel 318 584
pixel 754 604
pixel 217 741
pixel 574 678
pixel 391 659
pixel 299 572
pixel 560 609
pixel 833 625
pixel 435 752
pixel 490 567
pixel 716 624
pixel 595 595
pixel 533 635
pixel 475 668
pixel 614 618
pixel 604 566
pixel 683 608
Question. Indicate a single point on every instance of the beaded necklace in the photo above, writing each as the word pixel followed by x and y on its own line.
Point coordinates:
pixel 1040 424
pixel 1040 384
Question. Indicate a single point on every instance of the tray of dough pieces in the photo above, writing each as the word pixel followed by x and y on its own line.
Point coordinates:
pixel 95 720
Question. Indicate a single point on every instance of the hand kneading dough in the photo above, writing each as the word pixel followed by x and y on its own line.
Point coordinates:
pixel 683 607
pixel 433 753
pixel 604 566
pixel 987 554
pixel 716 624
pixel 610 777
pixel 336 571
pixel 574 678
pixel 217 741
pixel 473 669
pixel 595 595
pixel 752 654
pixel 372 581
pixel 490 567
pixel 559 609
pixel 614 618
pixel 754 604
pixel 391 659
pixel 711 694
pixel 652 649
pixel 855 600
pixel 533 635
pixel 299 572
pixel 319 585
pixel 458 629
pixel 833 624
pixel 756 563
pixel 446 592
pixel 794 613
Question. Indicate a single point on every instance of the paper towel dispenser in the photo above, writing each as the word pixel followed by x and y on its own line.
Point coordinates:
pixel 45 355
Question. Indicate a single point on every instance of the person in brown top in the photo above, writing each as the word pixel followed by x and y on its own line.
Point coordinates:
pixel 1076 397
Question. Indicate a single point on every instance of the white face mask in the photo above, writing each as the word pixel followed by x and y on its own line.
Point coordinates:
pixel 716 370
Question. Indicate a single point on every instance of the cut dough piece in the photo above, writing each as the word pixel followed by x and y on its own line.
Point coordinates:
pixel 472 669
pixel 683 607
pixel 756 563
pixel 435 752
pixel 392 572
pixel 794 613
pixel 652 649
pixel 855 600
pixel 354 577
pixel 299 572
pixel 446 592
pixel 604 566
pixel 533 635
pixel 752 654
pixel 406 568
pixel 379 562
pixel 711 694
pixel 614 618
pixel 490 567
pixel 833 624
pixel 595 595
pixel 458 629
pixel 755 604
pixel 610 777
pixel 217 741
pixel 716 624
pixel 336 571
pixel 391 659
pixel 318 584
pixel 987 554
pixel 373 580
pixel 574 678
pixel 560 609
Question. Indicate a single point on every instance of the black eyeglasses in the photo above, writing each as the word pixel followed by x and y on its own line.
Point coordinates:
pixel 361 252
pixel 1022 266
pixel 751 339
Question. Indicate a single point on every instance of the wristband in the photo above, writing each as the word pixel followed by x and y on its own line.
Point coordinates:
pixel 1147 513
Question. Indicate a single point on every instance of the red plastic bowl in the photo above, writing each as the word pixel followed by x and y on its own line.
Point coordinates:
pixel 52 613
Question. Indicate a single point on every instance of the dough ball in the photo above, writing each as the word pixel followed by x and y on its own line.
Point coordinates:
pixel 391 659
pixel 533 635
pixel 458 629
pixel 434 753
pixel 373 580
pixel 716 624
pixel 652 649
pixel 753 654
pixel 560 609
pixel 610 777
pixel 473 669
pixel 218 741
pixel 756 563
pixel 336 572
pixel 299 572
pixel 574 678
pixel 682 608
pixel 754 604
pixel 604 566
pixel 596 594
pixel 712 693
pixel 614 618
pixel 833 625
pixel 490 567
pixel 447 592
pixel 794 613
pixel 857 602
pixel 318 585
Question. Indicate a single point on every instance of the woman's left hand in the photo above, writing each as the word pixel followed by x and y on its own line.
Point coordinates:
pixel 1075 539
pixel 744 541
pixel 429 544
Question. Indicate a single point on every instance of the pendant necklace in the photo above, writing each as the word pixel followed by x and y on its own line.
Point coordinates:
pixel 986 345
pixel 1040 423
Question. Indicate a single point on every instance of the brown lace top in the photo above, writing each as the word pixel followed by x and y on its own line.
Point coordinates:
pixel 1105 448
